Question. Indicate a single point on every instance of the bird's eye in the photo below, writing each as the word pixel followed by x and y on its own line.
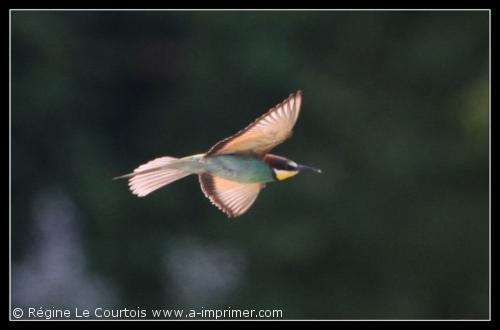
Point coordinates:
pixel 291 166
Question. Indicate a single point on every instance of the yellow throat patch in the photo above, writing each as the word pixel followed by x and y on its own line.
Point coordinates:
pixel 282 174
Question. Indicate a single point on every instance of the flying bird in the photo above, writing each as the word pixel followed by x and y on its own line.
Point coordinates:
pixel 235 169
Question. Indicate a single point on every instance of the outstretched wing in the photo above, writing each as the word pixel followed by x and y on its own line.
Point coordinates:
pixel 266 132
pixel 231 197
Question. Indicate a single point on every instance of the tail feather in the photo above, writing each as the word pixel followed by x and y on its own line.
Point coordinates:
pixel 153 175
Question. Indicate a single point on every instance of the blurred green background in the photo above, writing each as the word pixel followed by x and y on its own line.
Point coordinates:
pixel 395 113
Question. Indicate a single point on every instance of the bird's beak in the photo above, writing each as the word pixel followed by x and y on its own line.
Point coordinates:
pixel 305 168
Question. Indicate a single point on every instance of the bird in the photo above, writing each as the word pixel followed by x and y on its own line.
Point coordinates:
pixel 234 171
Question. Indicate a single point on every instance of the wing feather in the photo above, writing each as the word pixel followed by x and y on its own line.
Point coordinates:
pixel 266 132
pixel 231 197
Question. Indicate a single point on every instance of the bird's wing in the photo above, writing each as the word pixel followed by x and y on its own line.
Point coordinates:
pixel 266 132
pixel 231 197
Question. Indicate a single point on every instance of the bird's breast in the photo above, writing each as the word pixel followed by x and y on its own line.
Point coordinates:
pixel 241 168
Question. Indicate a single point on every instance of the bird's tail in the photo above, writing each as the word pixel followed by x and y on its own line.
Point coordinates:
pixel 156 174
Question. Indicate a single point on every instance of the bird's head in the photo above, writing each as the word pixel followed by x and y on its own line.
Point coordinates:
pixel 284 168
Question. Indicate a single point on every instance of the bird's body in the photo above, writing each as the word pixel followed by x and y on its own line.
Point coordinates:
pixel 234 170
pixel 240 168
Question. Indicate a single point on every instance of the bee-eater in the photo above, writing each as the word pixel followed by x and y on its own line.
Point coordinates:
pixel 235 169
